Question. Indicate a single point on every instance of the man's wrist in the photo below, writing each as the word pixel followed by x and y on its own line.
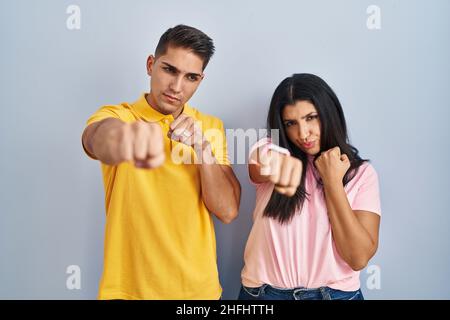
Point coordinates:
pixel 204 152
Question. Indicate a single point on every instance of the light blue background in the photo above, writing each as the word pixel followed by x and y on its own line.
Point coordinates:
pixel 393 84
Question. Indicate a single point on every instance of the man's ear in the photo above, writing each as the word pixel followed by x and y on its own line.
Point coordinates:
pixel 150 63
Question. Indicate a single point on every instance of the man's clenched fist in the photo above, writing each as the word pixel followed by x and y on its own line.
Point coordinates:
pixel 140 142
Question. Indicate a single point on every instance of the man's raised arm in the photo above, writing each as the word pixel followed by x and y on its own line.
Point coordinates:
pixel 113 141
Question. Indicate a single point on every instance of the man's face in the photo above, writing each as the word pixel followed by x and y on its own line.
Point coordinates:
pixel 175 76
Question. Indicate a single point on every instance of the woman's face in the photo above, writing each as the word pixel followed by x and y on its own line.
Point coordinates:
pixel 302 124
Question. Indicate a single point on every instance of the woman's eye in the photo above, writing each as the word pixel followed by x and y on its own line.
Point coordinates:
pixel 311 118
pixel 288 123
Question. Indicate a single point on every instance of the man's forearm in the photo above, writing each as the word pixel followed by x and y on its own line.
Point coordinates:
pixel 98 138
pixel 219 194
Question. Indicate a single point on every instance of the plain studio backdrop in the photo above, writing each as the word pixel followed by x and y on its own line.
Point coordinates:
pixel 387 60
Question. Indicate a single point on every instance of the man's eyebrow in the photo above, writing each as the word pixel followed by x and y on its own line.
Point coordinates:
pixel 176 69
pixel 171 66
pixel 195 74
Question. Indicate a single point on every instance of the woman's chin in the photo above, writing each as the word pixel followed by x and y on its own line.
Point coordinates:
pixel 310 152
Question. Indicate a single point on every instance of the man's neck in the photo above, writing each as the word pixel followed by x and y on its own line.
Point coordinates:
pixel 178 112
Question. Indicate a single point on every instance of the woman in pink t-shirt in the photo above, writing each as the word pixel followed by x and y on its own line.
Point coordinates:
pixel 317 211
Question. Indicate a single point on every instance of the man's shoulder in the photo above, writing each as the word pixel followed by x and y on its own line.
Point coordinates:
pixel 120 111
pixel 123 107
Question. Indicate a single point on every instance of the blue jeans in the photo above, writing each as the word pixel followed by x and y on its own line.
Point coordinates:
pixel 267 292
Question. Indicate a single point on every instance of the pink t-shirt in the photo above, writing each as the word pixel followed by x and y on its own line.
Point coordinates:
pixel 303 253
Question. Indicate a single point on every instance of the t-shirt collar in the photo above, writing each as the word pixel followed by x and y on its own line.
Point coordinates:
pixel 148 113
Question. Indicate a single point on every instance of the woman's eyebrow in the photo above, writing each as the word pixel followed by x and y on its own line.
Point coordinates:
pixel 309 114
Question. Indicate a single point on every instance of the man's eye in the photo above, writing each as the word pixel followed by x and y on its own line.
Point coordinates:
pixel 169 69
pixel 192 78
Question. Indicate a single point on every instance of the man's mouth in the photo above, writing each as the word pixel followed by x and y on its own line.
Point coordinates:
pixel 171 98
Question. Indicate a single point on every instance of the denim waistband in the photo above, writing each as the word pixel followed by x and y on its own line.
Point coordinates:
pixel 301 293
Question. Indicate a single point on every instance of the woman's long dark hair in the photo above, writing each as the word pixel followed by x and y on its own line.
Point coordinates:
pixel 333 132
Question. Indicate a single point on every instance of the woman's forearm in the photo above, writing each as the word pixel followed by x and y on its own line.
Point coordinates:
pixel 352 240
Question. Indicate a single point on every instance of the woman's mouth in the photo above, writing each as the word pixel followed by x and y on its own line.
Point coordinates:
pixel 308 145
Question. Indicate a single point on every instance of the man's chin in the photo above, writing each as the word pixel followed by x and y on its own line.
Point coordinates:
pixel 168 108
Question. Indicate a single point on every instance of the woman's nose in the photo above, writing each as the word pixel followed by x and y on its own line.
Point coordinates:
pixel 303 131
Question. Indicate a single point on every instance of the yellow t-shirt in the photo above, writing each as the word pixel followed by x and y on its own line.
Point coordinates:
pixel 159 238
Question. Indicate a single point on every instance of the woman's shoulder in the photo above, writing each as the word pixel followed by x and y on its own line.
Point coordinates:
pixel 366 171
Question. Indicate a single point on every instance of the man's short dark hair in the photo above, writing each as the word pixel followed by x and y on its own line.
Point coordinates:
pixel 183 36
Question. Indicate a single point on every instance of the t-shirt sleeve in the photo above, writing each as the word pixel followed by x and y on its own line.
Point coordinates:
pixel 217 139
pixel 368 196
pixel 258 144
pixel 108 111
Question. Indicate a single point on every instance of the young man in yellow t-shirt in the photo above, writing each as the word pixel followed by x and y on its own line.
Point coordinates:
pixel 165 169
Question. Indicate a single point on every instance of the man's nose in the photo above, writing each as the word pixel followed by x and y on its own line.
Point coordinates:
pixel 176 84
